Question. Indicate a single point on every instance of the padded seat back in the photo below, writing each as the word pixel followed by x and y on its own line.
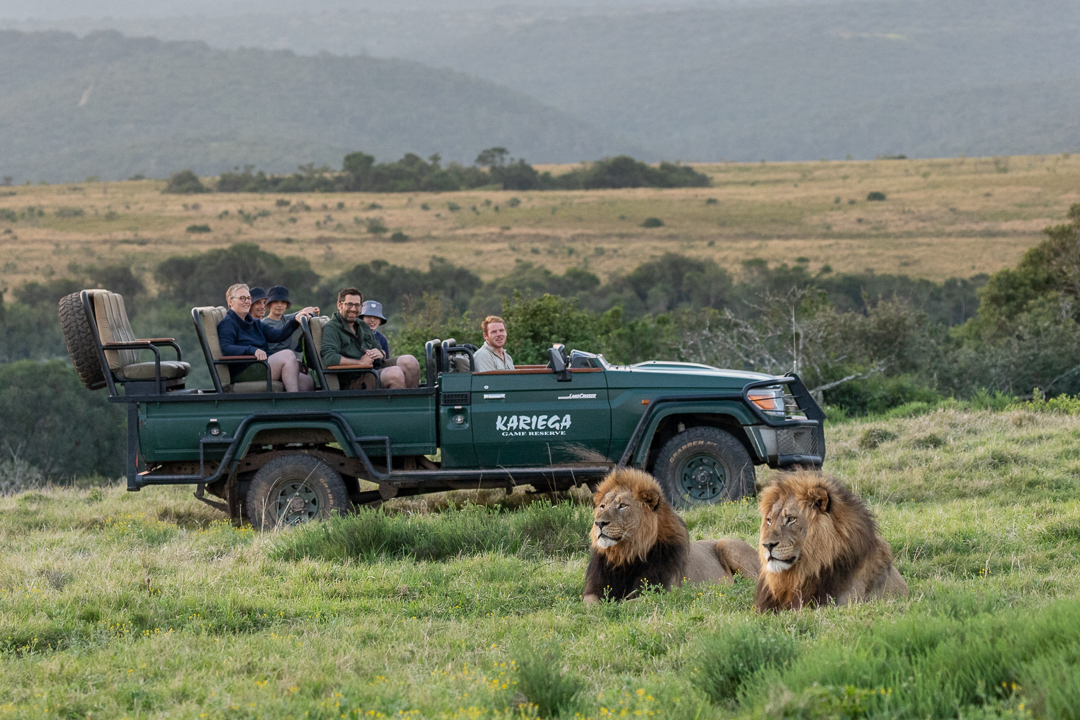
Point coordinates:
pixel 317 324
pixel 114 327
pixel 210 317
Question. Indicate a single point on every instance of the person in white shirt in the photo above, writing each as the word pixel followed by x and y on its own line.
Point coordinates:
pixel 492 354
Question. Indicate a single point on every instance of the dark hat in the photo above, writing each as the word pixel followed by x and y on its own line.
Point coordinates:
pixel 373 308
pixel 257 294
pixel 278 293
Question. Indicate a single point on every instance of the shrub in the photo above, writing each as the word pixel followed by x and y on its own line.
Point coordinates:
pixel 399 237
pixel 652 222
pixel 203 278
pixel 712 201
pixel 282 202
pixel 544 683
pixel 8 215
pixel 513 202
pixel 876 196
pixel 185 182
pixel 69 212
pixel 452 206
pixel 198 229
pixel 729 660
pixel 375 226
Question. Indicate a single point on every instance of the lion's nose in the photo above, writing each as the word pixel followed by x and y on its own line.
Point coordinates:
pixel 600 524
pixel 769 546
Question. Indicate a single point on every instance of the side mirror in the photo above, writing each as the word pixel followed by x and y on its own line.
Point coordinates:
pixel 558 364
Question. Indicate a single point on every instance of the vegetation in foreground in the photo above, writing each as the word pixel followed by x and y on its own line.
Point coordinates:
pixel 149 605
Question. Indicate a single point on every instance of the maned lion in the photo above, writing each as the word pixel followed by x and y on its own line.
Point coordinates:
pixel 819 544
pixel 639 541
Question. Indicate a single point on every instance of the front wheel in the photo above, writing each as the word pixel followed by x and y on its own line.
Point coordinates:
pixel 294 489
pixel 704 465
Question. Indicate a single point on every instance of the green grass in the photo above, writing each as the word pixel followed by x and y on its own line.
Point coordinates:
pixel 149 605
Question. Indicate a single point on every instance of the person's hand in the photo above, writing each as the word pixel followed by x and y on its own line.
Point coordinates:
pixel 260 354
pixel 367 361
pixel 374 354
pixel 309 311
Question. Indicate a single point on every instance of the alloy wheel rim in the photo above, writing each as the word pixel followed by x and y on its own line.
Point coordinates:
pixel 702 479
pixel 296 503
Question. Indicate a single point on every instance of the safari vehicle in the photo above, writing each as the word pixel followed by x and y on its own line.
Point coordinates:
pixel 281 458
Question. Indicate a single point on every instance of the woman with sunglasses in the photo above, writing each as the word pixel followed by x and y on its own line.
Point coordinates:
pixel 241 334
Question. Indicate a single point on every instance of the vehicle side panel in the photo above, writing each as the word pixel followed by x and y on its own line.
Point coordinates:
pixel 171 429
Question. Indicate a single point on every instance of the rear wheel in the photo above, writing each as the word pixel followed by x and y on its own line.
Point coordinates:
pixel 79 338
pixel 702 466
pixel 294 489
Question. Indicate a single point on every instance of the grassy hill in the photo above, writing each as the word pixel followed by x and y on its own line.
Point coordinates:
pixel 941 219
pixel 145 605
pixel 111 106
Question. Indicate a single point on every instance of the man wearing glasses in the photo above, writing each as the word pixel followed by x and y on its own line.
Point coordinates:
pixel 346 341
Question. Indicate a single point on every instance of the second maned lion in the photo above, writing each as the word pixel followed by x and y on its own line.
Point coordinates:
pixel 820 545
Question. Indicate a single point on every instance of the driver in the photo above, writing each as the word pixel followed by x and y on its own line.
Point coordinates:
pixel 492 354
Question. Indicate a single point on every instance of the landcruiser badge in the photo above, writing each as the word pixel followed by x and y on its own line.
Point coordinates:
pixel 578 396
pixel 532 425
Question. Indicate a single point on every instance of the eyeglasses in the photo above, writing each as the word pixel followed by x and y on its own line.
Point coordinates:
pixel 351 305
pixel 242 298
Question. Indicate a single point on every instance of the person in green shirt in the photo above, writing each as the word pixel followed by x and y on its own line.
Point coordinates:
pixel 347 341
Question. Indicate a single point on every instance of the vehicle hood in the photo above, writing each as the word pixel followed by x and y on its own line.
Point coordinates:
pixel 680 375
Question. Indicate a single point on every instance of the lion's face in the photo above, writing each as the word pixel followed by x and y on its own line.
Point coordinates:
pixel 621 516
pixel 785 523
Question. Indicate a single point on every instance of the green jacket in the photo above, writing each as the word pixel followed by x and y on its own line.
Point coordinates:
pixel 339 340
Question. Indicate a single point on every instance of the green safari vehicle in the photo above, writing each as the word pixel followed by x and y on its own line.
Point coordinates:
pixel 280 458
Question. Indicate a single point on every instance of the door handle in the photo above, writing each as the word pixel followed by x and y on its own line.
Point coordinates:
pixel 495 396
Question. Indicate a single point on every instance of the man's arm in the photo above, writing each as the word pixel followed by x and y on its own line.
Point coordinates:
pixel 332 345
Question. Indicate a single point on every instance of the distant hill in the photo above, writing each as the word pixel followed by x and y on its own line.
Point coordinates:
pixel 114 106
pixel 786 82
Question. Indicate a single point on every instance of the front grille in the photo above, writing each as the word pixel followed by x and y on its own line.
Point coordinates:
pixel 455 398
pixel 799 441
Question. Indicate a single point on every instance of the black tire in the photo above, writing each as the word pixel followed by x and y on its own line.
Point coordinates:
pixel 704 466
pixel 294 489
pixel 79 338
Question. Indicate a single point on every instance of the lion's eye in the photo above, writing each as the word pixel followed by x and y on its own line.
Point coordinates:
pixel 623 506
pixel 768 521
pixel 790 520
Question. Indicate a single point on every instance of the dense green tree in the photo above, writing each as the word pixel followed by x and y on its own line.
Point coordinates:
pixel 203 279
pixel 49 420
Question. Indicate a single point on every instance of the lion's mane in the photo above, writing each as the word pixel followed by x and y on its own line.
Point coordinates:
pixel 653 553
pixel 841 559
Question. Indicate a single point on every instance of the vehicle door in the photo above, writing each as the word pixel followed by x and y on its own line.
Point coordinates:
pixel 528 417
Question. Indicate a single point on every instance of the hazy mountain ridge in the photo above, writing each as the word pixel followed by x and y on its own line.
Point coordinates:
pixel 114 106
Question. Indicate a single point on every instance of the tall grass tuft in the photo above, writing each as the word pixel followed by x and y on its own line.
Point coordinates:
pixel 538 530
pixel 545 683
pixel 931 667
pixel 729 659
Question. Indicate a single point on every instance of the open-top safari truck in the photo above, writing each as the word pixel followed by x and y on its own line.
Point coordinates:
pixel 277 458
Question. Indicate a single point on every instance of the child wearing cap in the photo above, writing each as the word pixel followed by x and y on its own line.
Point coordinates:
pixel 372 314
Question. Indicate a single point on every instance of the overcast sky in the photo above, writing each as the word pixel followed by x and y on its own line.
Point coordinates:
pixel 66 9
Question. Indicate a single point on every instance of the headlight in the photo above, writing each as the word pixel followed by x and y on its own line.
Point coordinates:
pixel 769 400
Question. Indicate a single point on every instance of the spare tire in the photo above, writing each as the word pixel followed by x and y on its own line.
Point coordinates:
pixel 81 345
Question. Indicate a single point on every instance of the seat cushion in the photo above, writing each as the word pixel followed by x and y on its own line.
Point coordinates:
pixel 252 387
pixel 113 327
pixel 210 317
pixel 170 370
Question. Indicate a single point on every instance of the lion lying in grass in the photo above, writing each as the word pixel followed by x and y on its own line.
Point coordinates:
pixel 820 545
pixel 639 541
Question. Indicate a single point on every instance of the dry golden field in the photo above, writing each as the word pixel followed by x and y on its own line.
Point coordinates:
pixel 941 218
